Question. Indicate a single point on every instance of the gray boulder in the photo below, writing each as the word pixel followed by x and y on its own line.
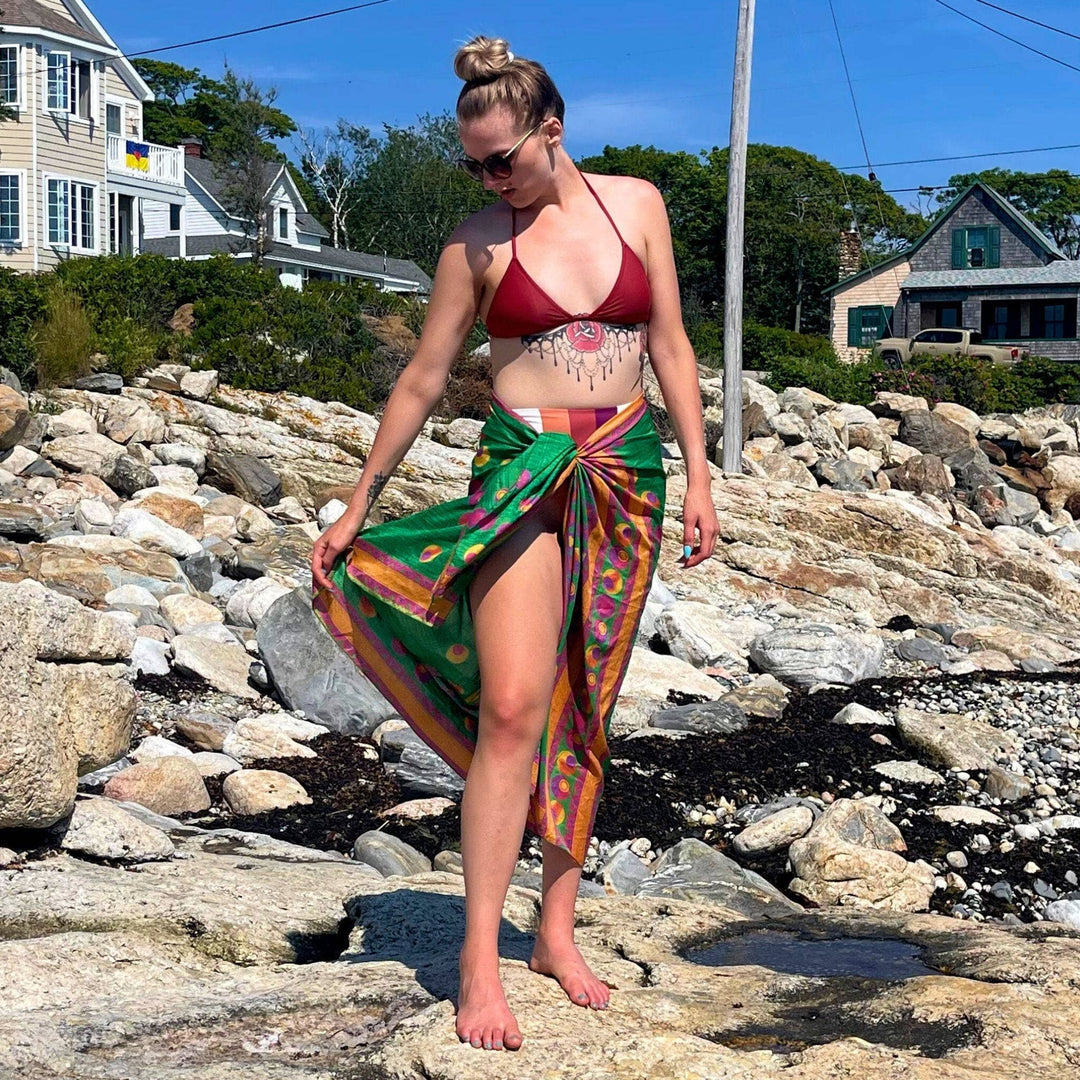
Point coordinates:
pixel 706 718
pixel 816 653
pixel 389 855
pixel 312 673
pixel 931 433
pixel 244 475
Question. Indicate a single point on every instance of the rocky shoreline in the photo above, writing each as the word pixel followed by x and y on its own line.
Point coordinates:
pixel 859 721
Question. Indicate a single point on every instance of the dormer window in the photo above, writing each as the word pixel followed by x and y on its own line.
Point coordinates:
pixel 976 248
pixel 283 223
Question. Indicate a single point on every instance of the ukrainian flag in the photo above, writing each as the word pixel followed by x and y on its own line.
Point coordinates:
pixel 138 156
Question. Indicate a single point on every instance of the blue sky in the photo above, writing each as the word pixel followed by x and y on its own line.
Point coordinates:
pixel 927 82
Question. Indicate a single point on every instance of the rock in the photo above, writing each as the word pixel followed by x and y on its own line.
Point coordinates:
pixel 94 516
pixel 649 679
pixel 389 855
pixel 920 649
pixel 71 422
pixel 775 832
pixel 246 476
pixel 851 857
pixel 694 632
pixel 149 657
pixel 966 815
pixel 330 512
pixel 1064 911
pixel 101 382
pixel 255 791
pixel 154 746
pixel 60 711
pixel 279 723
pixel 908 772
pixel 212 764
pixel 956 740
pixel 87 452
pixel 166 785
pixel 312 674
pixel 252 742
pixel 764 697
pixel 691 870
pixel 958 414
pixel 154 534
pixel 180 511
pixel 1014 643
pixel 933 433
pixel 854 713
pixel 176 478
pixel 925 473
pixel 814 652
pixel 198 384
pixel 783 467
pixel 843 474
pixel 205 729
pixel 284 555
pixel 100 829
pixel 252 524
pixel 185 612
pixel 128 476
pixel 129 420
pixel 223 666
pixel 709 718
pixel 21 522
pixel 449 862
pixel 423 773
pixel 14 416
pixel 624 872
pixel 176 453
pixel 251 601
pixel 418 809
pixel 1006 786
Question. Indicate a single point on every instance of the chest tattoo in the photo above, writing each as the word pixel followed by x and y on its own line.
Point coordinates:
pixel 588 348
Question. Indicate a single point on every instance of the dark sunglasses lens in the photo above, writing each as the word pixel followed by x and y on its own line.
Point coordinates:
pixel 473 168
pixel 498 167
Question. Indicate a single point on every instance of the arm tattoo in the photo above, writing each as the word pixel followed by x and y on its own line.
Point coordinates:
pixel 586 347
pixel 378 482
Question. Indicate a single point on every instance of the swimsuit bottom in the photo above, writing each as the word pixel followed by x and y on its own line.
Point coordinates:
pixel 398 599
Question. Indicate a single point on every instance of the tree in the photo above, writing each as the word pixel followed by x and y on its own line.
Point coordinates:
pixel 1050 199
pixel 334 163
pixel 240 147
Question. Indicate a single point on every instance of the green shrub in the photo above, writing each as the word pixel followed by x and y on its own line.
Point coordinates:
pixel 22 303
pixel 62 338
pixel 129 345
pixel 853 383
pixel 707 338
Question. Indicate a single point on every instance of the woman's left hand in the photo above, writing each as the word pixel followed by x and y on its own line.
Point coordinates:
pixel 700 514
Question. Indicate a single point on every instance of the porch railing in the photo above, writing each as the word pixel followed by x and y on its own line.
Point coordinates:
pixel 150 161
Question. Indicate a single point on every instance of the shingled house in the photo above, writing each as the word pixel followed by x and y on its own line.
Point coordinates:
pixel 982 265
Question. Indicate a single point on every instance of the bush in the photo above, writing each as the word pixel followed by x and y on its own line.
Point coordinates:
pixel 853 383
pixel 22 303
pixel 62 338
pixel 130 346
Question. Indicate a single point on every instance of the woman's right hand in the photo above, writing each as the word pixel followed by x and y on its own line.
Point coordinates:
pixel 329 547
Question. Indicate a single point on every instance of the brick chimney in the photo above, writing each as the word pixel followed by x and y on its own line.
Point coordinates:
pixel 850 252
pixel 192 147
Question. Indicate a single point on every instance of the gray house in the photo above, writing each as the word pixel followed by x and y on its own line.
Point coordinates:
pixel 982 265
pixel 297 251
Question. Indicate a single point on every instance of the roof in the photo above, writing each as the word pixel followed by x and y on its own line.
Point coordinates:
pixel 1061 272
pixel 1022 220
pixel 356 262
pixel 208 177
pixel 32 13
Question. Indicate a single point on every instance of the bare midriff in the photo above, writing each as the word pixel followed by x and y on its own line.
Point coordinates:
pixel 582 364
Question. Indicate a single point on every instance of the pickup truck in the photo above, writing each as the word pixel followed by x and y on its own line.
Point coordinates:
pixel 945 341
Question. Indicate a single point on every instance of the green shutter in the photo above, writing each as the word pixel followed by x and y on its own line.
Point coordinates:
pixel 993 245
pixel 854 323
pixel 959 249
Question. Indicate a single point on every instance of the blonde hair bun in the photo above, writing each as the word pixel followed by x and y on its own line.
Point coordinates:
pixel 482 58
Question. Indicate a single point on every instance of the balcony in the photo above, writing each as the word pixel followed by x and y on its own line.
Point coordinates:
pixel 160 165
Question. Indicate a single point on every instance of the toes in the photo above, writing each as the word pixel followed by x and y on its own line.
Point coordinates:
pixel 489 1041
pixel 497 1038
pixel 476 1037
pixel 512 1039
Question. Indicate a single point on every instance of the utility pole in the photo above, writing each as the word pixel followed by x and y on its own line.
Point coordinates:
pixel 736 207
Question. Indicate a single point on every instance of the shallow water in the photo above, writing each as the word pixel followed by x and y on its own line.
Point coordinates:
pixel 867 958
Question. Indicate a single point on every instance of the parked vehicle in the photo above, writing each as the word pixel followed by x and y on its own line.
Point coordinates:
pixel 946 341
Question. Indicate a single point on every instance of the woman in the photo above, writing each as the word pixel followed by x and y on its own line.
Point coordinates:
pixel 500 624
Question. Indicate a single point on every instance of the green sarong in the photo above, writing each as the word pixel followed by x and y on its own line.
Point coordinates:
pixel 398 603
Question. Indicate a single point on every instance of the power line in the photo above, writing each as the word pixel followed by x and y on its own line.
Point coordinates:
pixel 1026 18
pixel 967 157
pixel 255 29
pixel 1007 37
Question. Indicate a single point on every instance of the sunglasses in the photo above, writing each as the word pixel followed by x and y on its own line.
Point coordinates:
pixel 497 166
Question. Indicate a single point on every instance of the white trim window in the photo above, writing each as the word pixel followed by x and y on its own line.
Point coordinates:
pixel 71 214
pixel 283 223
pixel 10 77
pixel 11 207
pixel 69 85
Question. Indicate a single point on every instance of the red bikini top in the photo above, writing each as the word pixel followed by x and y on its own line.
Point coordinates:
pixel 520 307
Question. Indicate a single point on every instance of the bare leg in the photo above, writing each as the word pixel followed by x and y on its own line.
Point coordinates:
pixel 555 953
pixel 517 613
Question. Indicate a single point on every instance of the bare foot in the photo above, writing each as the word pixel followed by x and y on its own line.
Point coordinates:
pixel 483 1016
pixel 563 961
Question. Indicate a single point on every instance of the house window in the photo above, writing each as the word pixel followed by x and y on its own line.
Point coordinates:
pixel 114 119
pixel 9 75
pixel 58 96
pixel 1000 320
pixel 976 248
pixel 1053 318
pixel 71 213
pixel 80 88
pixel 948 314
pixel 867 324
pixel 10 208
pixel 283 223
pixel 174 217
